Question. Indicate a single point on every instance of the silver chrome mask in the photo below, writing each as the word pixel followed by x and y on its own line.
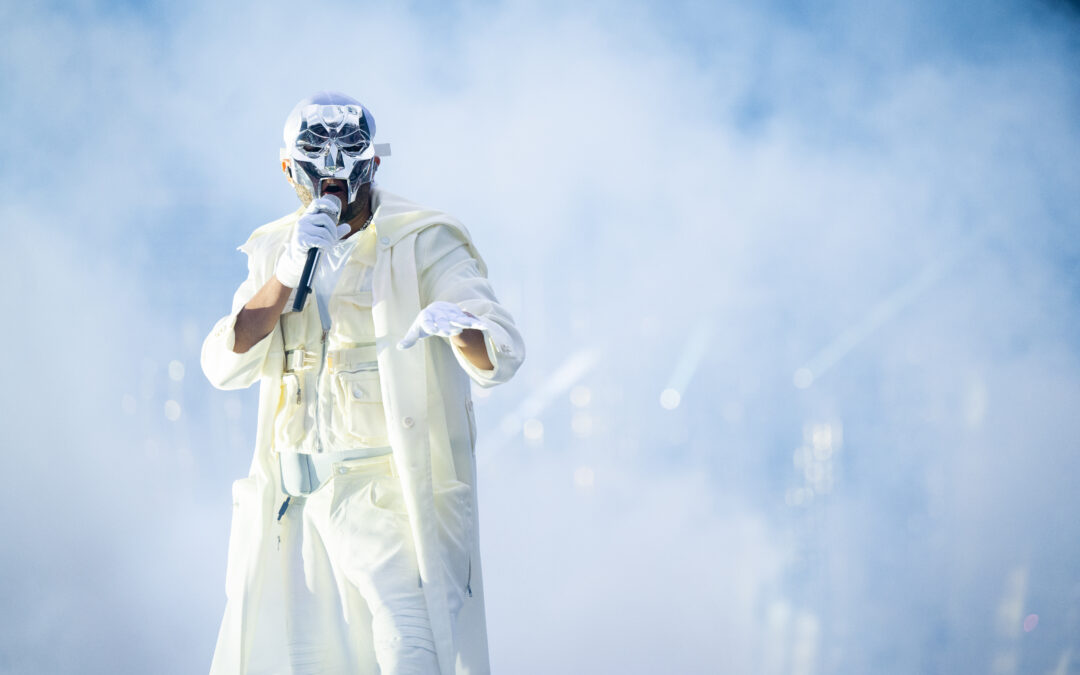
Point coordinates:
pixel 328 136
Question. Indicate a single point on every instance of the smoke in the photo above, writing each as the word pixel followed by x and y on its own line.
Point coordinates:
pixel 798 285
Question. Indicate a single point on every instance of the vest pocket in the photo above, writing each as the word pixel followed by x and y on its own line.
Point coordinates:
pixel 289 421
pixel 358 407
pixel 353 322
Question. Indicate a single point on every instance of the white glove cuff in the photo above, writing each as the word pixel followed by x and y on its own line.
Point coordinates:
pixel 287 271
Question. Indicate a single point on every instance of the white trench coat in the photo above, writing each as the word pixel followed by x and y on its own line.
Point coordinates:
pixel 421 255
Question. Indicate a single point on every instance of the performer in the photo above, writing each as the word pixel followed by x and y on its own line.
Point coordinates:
pixel 354 545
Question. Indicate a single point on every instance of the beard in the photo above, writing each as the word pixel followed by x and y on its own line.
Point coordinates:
pixel 304 194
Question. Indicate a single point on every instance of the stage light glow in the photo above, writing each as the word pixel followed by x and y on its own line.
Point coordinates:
pixel 562 380
pixel 670 399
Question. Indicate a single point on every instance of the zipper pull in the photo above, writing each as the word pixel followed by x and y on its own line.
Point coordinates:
pixel 298 390
pixel 281 512
pixel 468 582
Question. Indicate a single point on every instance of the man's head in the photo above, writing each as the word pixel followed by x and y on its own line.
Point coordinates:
pixel 329 150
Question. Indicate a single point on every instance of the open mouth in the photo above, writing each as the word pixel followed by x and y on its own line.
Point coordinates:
pixel 333 186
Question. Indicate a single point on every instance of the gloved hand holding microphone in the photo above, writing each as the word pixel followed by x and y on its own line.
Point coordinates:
pixel 318 228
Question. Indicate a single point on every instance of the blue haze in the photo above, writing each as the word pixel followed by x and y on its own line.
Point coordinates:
pixel 865 215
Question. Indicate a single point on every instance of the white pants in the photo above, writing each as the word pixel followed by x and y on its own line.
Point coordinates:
pixel 357 523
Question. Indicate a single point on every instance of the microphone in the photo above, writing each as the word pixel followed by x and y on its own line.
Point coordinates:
pixel 309 267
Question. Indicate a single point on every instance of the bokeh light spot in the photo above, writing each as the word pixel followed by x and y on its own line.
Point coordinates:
pixel 533 429
pixel 172 411
pixel 176 371
pixel 1030 622
pixel 580 396
pixel 584 477
pixel 670 399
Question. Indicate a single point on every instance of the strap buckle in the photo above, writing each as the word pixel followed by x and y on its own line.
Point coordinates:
pixel 298 359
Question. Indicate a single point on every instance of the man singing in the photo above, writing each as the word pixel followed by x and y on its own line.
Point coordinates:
pixel 354 545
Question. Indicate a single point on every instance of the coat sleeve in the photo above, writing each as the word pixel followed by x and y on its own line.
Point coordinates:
pixel 451 273
pixel 225 368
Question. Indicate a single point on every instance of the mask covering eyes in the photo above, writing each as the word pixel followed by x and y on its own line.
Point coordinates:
pixel 328 146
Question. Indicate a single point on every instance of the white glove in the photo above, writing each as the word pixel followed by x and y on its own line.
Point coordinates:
pixel 441 318
pixel 317 228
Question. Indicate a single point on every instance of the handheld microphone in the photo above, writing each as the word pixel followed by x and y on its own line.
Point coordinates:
pixel 309 267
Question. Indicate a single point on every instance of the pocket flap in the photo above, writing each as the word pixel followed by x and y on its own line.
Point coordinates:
pixel 362 386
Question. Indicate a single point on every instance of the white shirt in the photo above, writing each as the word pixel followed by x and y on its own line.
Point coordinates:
pixel 328 271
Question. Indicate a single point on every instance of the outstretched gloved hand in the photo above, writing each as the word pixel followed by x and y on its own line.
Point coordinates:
pixel 317 228
pixel 440 318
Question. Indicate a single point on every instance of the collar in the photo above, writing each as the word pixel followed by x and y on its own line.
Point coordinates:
pixel 394 218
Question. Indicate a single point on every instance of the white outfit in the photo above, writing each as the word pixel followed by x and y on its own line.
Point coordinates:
pixel 354 529
pixel 424 412
pixel 340 525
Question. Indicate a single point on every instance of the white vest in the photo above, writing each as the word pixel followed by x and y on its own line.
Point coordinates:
pixel 331 397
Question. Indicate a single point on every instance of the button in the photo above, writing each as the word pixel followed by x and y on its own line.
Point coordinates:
pixel 342 469
pixel 384 240
pixel 358 392
pixel 407 422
